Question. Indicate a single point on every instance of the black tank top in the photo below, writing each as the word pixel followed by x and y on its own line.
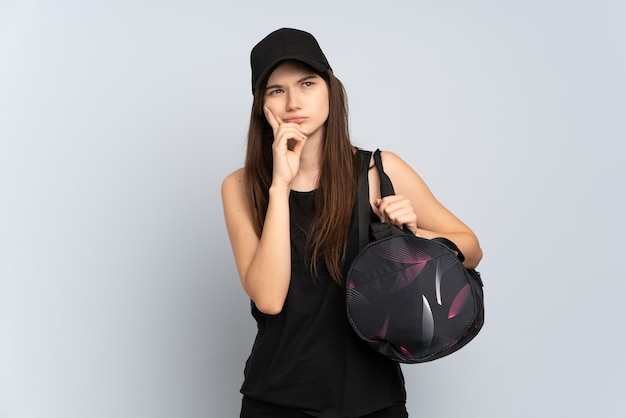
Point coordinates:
pixel 308 357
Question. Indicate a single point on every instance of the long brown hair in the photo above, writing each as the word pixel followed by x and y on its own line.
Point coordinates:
pixel 335 195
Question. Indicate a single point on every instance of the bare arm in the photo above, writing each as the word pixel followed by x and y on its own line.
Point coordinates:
pixel 264 264
pixel 415 207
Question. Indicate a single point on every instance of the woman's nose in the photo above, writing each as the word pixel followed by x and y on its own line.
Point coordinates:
pixel 293 102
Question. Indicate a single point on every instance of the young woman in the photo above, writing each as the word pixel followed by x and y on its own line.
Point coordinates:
pixel 289 215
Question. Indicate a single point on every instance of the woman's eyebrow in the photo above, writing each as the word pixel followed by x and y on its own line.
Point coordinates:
pixel 301 80
pixel 273 86
pixel 307 77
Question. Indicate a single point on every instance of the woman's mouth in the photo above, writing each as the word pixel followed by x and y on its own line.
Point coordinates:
pixel 297 120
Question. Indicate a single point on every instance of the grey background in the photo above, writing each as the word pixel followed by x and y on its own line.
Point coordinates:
pixel 119 119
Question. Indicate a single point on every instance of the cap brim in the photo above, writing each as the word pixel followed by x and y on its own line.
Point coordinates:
pixel 316 65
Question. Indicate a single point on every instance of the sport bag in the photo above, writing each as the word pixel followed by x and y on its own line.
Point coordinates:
pixel 409 298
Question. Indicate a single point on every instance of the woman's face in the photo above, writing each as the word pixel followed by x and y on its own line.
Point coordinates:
pixel 297 94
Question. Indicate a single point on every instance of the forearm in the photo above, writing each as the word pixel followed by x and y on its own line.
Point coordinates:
pixel 268 276
pixel 467 243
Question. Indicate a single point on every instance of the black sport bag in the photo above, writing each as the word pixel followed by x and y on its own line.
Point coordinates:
pixel 409 298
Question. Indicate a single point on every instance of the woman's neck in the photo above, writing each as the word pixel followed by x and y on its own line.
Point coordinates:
pixel 309 171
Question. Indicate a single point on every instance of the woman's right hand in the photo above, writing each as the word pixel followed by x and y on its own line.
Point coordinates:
pixel 289 139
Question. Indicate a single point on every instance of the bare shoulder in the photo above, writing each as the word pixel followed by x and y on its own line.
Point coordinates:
pixel 398 169
pixel 233 181
pixel 234 195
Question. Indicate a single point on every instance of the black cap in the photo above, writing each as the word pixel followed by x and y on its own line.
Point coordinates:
pixel 281 45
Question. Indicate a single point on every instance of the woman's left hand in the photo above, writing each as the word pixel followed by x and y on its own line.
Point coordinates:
pixel 397 210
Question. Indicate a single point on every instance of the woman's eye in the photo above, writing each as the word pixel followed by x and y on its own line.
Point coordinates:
pixel 307 83
pixel 275 91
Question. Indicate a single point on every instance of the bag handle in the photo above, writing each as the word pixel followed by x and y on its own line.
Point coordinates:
pixel 367 228
pixel 363 200
pixel 386 189
pixel 452 246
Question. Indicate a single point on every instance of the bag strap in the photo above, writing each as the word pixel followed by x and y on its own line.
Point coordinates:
pixel 378 231
pixel 363 199
pixel 386 189
pixel 452 246
pixel 368 229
